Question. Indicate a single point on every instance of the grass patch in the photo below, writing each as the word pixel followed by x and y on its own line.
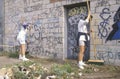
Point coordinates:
pixel 4 53
pixel 62 70
pixel 19 75
pixel 14 54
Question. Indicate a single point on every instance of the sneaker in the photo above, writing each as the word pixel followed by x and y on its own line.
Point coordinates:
pixel 20 57
pixel 25 59
pixel 81 67
pixel 82 63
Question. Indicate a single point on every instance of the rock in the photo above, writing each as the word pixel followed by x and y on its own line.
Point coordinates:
pixel 72 73
pixel 39 77
pixel 3 71
pixel 96 70
pixel 80 74
pixel 6 77
pixel 51 77
pixel 9 72
pixel 33 66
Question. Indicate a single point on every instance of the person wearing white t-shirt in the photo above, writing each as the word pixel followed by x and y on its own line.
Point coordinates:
pixel 83 36
pixel 21 38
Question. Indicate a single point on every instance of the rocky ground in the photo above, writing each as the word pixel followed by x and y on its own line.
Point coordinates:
pixel 57 69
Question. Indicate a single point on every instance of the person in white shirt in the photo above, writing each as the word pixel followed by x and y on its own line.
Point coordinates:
pixel 21 38
pixel 83 38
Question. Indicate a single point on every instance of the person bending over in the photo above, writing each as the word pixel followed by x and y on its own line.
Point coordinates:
pixel 21 38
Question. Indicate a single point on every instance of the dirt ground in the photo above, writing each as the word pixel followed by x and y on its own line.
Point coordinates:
pixel 4 60
pixel 101 74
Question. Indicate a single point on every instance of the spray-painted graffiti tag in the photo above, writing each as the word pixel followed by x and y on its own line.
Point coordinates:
pixel 102 3
pixel 77 11
pixel 109 57
pixel 115 33
pixel 102 27
pixel 46 33
pixel 74 14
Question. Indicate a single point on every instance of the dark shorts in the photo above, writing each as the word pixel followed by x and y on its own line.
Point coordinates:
pixel 86 38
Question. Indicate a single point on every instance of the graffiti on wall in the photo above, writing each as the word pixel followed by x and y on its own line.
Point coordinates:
pixel 103 26
pixel 117 1
pixel 29 7
pixel 13 14
pixel 105 31
pixel 46 34
pixel 45 39
pixel 74 14
pixel 102 3
pixel 109 57
pixel 115 33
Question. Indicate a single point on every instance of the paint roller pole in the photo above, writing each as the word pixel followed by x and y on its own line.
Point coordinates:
pixel 94 45
pixel 94 49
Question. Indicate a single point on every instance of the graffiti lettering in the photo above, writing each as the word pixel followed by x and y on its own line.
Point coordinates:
pixel 74 19
pixel 101 3
pixel 54 12
pixel 77 11
pixel 102 27
pixel 109 57
pixel 115 33
pixel 74 15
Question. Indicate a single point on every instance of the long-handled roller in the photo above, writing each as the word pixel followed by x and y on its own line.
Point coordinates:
pixel 95 60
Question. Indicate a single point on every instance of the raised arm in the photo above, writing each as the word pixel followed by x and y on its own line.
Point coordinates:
pixel 88 17
pixel 88 7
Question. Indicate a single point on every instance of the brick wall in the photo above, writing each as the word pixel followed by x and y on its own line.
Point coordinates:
pixel 52 37
pixel 52 1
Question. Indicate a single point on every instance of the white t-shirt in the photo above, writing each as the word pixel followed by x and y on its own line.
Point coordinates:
pixel 22 34
pixel 82 26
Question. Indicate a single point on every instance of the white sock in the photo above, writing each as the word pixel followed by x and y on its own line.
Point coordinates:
pixel 20 56
pixel 23 56
pixel 80 62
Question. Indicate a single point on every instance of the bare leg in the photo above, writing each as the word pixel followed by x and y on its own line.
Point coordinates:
pixel 23 49
pixel 20 52
pixel 80 57
pixel 81 53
